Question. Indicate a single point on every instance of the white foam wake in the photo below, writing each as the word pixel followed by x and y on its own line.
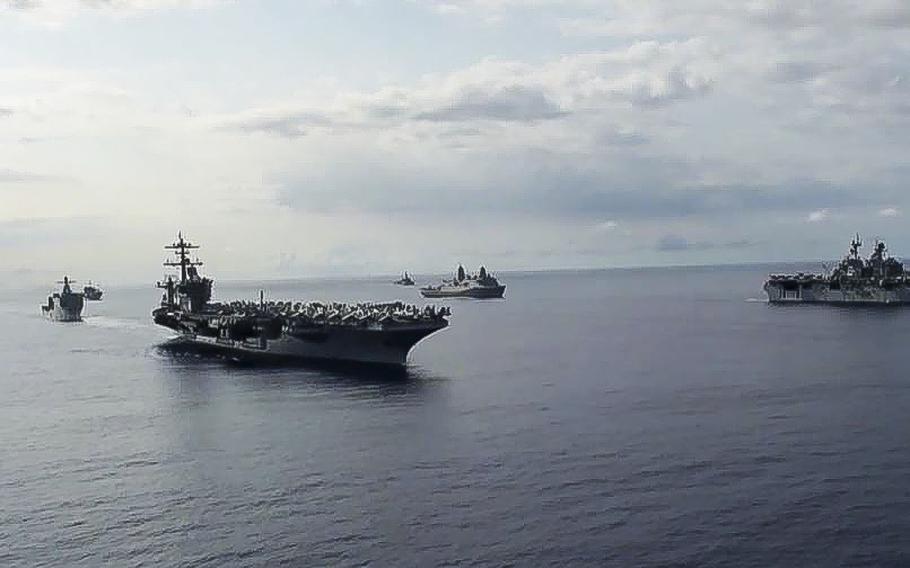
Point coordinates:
pixel 115 323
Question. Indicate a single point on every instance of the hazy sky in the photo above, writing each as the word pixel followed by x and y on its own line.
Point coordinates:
pixel 295 137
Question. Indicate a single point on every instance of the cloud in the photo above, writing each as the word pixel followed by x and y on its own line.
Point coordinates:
pixel 56 13
pixel 16 232
pixel 108 4
pixel 291 124
pixel 646 75
pixel 630 18
pixel 843 55
pixel 678 243
pixel 695 127
pixel 606 226
pixel 511 103
pixel 889 212
pixel 630 184
pixel 818 216
pixel 798 70
pixel 8 176
pixel 468 103
pixel 672 243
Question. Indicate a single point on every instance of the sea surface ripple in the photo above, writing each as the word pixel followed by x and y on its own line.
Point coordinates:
pixel 606 418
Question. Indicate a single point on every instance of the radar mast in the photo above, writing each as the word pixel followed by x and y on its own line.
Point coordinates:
pixel 193 291
pixel 855 245
pixel 181 248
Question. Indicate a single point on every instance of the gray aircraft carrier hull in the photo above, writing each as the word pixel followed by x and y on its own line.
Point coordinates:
pixel 824 294
pixel 351 345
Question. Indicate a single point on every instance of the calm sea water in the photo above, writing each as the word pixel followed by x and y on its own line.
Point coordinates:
pixel 618 418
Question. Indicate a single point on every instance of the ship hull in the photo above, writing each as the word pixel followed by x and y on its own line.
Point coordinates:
pixel 352 345
pixel 486 292
pixel 824 294
pixel 61 314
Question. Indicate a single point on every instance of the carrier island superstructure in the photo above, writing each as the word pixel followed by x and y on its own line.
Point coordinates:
pixel 880 279
pixel 365 332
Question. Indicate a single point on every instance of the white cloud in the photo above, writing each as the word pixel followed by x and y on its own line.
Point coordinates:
pixel 698 125
pixel 606 226
pixel 819 216
pixel 643 75
pixel 58 12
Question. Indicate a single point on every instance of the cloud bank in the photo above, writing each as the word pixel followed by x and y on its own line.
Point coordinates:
pixel 621 132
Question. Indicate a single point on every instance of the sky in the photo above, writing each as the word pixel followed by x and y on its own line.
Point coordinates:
pixel 353 137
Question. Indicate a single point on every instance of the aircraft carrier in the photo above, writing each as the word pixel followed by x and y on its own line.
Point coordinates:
pixel 878 280
pixel 367 332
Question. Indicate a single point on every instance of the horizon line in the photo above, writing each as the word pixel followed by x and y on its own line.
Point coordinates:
pixel 516 271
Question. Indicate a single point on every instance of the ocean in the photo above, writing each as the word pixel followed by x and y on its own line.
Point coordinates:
pixel 651 417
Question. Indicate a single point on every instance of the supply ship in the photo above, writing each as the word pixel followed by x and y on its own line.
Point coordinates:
pixel 66 305
pixel 92 292
pixel 367 332
pixel 481 285
pixel 880 279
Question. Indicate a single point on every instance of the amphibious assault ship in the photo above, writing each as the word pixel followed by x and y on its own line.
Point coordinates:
pixel 405 280
pixel 65 305
pixel 481 285
pixel 880 279
pixel 366 332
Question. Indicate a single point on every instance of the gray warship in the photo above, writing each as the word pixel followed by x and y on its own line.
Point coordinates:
pixel 878 280
pixel 92 292
pixel 376 333
pixel 463 285
pixel 405 280
pixel 66 305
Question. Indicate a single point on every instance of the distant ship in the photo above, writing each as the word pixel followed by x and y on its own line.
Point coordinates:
pixel 405 280
pixel 481 285
pixel 366 332
pixel 92 292
pixel 65 305
pixel 880 279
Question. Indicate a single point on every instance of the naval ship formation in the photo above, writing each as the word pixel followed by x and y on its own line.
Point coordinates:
pixel 880 279
pixel 364 332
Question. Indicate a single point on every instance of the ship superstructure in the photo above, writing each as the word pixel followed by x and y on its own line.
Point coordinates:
pixel 463 285
pixel 366 332
pixel 880 279
pixel 66 305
